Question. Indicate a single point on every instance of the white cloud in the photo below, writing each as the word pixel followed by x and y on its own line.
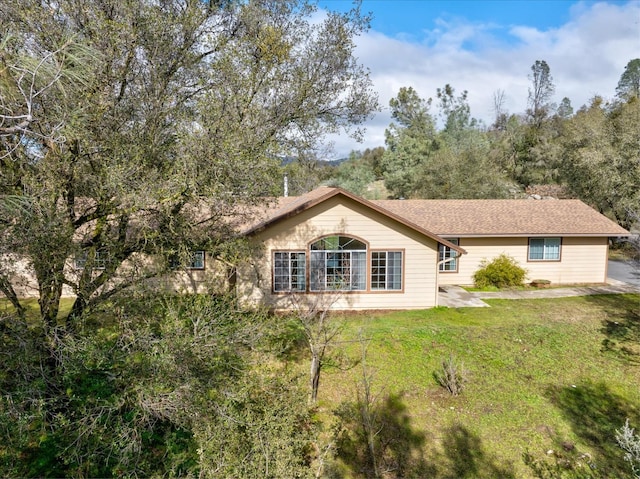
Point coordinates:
pixel 586 56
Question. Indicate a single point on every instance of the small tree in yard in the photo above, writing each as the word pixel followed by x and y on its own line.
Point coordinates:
pixel 373 434
pixel 502 272
pixel 319 331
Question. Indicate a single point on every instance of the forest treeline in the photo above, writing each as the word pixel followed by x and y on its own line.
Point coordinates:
pixel 434 148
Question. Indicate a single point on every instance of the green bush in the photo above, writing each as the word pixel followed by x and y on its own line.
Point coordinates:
pixel 501 272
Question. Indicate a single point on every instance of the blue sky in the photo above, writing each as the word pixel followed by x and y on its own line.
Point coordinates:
pixel 409 18
pixel 486 46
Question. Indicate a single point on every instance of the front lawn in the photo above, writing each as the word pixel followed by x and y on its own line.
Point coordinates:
pixel 553 378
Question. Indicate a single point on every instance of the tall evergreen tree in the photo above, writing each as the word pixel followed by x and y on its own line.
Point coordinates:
pixel 540 93
pixel 629 83
pixel 408 143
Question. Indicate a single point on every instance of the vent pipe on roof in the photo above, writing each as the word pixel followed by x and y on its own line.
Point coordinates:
pixel 286 185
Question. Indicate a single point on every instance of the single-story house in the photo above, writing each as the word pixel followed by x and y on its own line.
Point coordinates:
pixel 331 248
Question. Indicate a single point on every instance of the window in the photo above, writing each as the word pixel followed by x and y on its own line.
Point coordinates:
pixel 444 252
pixel 386 270
pixel 338 263
pixel 544 249
pixel 289 271
pixel 186 260
pixel 100 259
pixel 197 260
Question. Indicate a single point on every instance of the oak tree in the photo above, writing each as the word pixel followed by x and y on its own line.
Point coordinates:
pixel 118 117
pixel 601 164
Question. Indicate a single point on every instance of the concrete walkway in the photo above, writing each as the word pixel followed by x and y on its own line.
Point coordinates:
pixel 457 297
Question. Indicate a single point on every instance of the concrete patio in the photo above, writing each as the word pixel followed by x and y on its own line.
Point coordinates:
pixel 457 297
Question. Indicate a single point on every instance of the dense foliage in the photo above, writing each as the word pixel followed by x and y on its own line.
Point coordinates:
pixel 118 118
pixel 592 153
pixel 500 272
pixel 131 134
pixel 155 385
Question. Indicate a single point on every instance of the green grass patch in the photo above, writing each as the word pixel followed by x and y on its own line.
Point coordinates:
pixel 33 308
pixel 546 374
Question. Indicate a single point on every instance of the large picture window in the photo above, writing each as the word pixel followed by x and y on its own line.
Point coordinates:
pixel 445 252
pixel 289 271
pixel 544 249
pixel 386 270
pixel 338 263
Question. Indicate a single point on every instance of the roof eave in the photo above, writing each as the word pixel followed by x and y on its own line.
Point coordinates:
pixel 339 191
pixel 297 210
pixel 534 235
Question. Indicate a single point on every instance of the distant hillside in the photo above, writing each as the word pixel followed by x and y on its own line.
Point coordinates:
pixel 291 159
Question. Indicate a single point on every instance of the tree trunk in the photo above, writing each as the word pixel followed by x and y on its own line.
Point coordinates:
pixel 316 365
pixel 50 305
pixel 77 309
pixel 10 294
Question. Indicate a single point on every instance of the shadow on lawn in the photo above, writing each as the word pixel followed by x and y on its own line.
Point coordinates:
pixel 594 413
pixel 396 450
pixel 465 457
pixel 377 440
pixel 621 325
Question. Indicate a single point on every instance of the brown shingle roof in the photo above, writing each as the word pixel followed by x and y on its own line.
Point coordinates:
pixel 286 207
pixel 505 217
pixel 455 218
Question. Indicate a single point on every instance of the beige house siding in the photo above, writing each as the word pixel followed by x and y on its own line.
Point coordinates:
pixel 212 279
pixel 22 277
pixel 345 217
pixel 485 229
pixel 582 260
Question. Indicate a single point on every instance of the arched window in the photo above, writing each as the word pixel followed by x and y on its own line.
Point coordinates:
pixel 338 263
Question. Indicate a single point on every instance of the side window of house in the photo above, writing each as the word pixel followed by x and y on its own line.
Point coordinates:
pixel 338 263
pixel 544 249
pixel 386 270
pixel 289 271
pixel 197 260
pixel 100 260
pixel 445 252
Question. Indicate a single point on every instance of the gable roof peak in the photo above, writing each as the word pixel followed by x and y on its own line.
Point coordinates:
pixel 289 206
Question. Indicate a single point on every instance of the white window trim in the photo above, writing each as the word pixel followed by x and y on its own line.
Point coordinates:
pixel 352 283
pixel 100 260
pixel 445 252
pixel 349 260
pixel 545 249
pixel 387 272
pixel 198 260
pixel 289 273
